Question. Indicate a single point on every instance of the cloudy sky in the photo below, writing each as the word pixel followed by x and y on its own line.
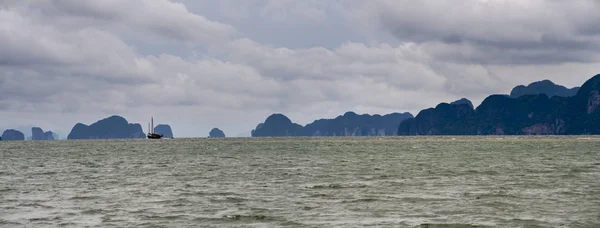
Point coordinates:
pixel 199 64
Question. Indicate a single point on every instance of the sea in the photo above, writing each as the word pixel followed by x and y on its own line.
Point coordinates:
pixel 302 182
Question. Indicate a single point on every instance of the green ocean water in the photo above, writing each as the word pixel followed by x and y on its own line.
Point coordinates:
pixel 302 182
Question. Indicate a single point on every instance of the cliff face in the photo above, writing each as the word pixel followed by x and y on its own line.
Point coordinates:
pixel 525 115
pixel 349 124
pixel 216 133
pixel 164 129
pixel 12 134
pixel 114 127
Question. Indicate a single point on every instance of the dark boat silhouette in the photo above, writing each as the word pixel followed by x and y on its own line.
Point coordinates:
pixel 151 134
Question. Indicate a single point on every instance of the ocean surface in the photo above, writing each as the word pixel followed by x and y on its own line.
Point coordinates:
pixel 302 182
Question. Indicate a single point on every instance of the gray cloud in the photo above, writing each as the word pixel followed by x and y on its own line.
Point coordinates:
pixel 159 17
pixel 229 64
pixel 497 32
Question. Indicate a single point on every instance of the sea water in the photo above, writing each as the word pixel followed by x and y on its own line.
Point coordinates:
pixel 302 182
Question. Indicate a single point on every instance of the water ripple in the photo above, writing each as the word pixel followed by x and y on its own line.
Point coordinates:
pixel 428 182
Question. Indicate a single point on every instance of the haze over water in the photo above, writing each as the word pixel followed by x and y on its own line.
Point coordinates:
pixel 302 182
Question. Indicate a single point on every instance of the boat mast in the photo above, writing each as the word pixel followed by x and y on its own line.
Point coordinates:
pixel 152 124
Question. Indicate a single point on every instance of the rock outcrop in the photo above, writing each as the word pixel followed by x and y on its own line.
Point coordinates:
pixel 164 129
pixel 463 101
pixel 114 127
pixel 12 134
pixel 543 87
pixel 216 133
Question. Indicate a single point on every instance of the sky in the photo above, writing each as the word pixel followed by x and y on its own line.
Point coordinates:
pixel 199 64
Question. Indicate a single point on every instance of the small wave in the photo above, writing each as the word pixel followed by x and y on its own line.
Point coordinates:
pixel 185 194
pixel 228 200
pixel 94 211
pixel 318 195
pixel 308 208
pixel 139 211
pixel 4 222
pixel 238 218
pixel 88 164
pixel 45 219
pixel 222 193
pixel 109 219
pixel 166 217
pixel 492 194
pixel 477 172
pixel 421 199
pixel 45 173
pixel 362 200
pixel 428 225
pixel 336 186
pixel 247 217
pixel 67 224
pixel 530 222
pixel 325 186
pixel 291 223
pixel 84 198
pixel 34 205
pixel 6 189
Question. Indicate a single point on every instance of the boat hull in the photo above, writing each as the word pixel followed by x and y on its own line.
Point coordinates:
pixel 154 136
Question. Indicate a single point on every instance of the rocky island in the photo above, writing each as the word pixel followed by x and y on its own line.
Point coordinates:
pixel 164 129
pixel 113 127
pixel 530 114
pixel 216 133
pixel 39 134
pixel 349 124
pixel 12 134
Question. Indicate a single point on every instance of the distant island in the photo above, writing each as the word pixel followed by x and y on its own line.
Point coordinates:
pixel 38 134
pixel 540 108
pixel 216 133
pixel 113 127
pixel 164 129
pixel 537 113
pixel 349 124
pixel 12 134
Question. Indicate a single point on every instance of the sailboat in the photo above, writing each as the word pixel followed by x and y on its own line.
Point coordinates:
pixel 151 134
